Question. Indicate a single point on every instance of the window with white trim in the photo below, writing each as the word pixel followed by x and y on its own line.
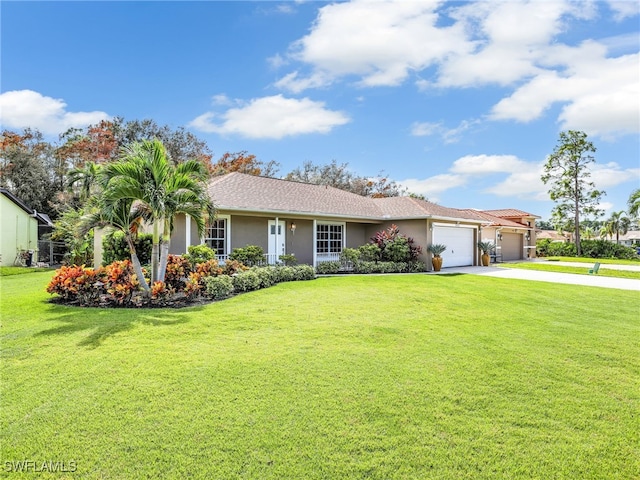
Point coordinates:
pixel 217 237
pixel 329 238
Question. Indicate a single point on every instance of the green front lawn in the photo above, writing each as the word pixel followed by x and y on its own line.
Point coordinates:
pixel 550 267
pixel 377 377
pixel 593 260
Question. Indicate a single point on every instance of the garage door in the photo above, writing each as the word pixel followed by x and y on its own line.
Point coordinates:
pixel 511 246
pixel 459 242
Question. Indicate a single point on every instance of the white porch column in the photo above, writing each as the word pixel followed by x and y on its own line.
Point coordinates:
pixel 187 233
pixel 315 244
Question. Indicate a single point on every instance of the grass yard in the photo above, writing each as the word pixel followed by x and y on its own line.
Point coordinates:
pixel 603 261
pixel 377 377
pixel 550 267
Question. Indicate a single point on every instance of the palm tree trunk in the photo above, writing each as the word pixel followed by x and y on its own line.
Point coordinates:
pixel 164 257
pixel 155 251
pixel 137 267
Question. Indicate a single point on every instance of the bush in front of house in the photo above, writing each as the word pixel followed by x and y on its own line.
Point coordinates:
pixel 117 285
pixel 396 247
pixel 199 254
pixel 250 255
pixel 303 272
pixel 114 248
pixel 328 268
pixel 219 287
pixel 246 281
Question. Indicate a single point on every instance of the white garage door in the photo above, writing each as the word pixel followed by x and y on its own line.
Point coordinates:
pixel 459 242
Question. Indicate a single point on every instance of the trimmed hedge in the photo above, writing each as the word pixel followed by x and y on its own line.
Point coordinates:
pixel 590 248
pixel 365 267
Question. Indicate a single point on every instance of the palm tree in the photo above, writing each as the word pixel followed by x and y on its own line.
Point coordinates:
pixel 144 174
pixel 124 215
pixel 619 224
pixel 588 233
pixel 86 176
pixel 634 203
pixel 186 194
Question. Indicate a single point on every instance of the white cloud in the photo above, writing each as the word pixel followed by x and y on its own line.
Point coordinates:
pixel 272 117
pixel 221 99
pixel 448 135
pixel 487 164
pixel 611 175
pixel 525 184
pixel 433 186
pixel 521 179
pixel 513 43
pixel 26 108
pixel 601 95
pixel 624 8
pixel 381 42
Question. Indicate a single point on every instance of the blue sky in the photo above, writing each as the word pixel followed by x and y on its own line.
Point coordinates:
pixel 459 101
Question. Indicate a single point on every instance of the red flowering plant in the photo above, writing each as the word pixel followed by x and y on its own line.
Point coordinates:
pixel 77 282
pixel 178 269
pixel 121 282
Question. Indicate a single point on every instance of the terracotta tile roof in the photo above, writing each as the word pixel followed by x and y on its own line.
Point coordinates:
pixel 497 221
pixel 552 235
pixel 510 213
pixel 238 191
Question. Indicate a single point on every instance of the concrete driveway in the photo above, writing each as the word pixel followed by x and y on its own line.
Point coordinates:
pixel 552 277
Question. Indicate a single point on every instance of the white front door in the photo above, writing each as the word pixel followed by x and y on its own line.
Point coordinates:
pixel 459 242
pixel 277 241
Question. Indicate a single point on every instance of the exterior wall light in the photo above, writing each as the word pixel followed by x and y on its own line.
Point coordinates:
pixel 293 228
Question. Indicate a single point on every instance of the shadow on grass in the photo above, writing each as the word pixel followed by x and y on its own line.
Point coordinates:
pixel 102 323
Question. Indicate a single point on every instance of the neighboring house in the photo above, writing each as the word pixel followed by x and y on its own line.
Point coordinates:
pixel 511 231
pixel 316 222
pixel 20 225
pixel 632 237
pixel 553 235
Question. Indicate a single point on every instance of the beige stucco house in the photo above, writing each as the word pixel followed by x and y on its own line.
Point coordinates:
pixel 315 222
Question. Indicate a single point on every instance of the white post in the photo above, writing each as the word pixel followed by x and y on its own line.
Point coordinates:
pixel 187 234
pixel 315 243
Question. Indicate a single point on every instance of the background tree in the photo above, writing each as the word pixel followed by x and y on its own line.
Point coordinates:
pixel 27 168
pixel 618 224
pixel 339 176
pixel 244 162
pixel 567 173
pixel 634 204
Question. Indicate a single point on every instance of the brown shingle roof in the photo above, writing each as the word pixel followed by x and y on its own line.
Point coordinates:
pixel 238 191
pixel 409 207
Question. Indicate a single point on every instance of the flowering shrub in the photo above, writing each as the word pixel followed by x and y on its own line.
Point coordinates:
pixel 120 281
pixel 160 291
pixel 194 285
pixel 77 283
pixel 210 268
pixel 117 284
pixel 178 269
pixel 233 266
